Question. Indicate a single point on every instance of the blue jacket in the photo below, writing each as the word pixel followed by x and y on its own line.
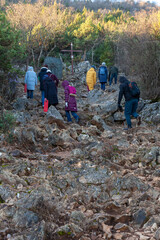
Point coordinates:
pixel 30 79
pixel 124 90
pixel 103 77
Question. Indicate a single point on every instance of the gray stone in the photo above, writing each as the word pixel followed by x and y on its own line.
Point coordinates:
pixel 100 123
pixel 150 113
pixel 54 115
pixel 152 155
pixel 25 218
pixel 22 117
pixel 55 65
pixel 77 217
pixel 32 104
pixel 119 116
pixel 20 104
pixel 140 217
pixel 5 192
pixel 157 234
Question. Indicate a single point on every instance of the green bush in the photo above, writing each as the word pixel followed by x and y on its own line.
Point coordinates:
pixel 7 122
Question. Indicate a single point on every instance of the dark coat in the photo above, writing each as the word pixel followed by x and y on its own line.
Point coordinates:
pixel 103 78
pixel 124 90
pixel 54 78
pixel 40 77
pixel 71 100
pixel 50 91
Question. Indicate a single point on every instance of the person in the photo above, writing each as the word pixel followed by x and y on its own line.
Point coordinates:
pixel 113 73
pixel 103 75
pixel 131 102
pixel 31 81
pixel 50 90
pixel 40 77
pixel 70 103
pixel 91 78
pixel 53 77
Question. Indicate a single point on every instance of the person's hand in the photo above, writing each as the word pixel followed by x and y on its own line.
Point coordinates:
pixel 120 108
pixel 66 104
pixel 45 99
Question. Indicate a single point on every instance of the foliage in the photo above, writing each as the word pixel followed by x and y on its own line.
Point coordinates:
pixel 115 36
pixel 105 52
pixel 9 43
pixel 7 122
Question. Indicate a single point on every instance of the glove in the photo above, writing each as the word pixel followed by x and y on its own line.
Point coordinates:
pixel 120 108
pixel 66 104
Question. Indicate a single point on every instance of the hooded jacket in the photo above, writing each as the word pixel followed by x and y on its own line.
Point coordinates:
pixel 40 77
pixel 71 100
pixel 30 79
pixel 91 78
pixel 53 77
pixel 103 77
pixel 50 90
pixel 124 90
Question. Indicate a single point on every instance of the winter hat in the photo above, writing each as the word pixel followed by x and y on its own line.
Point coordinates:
pixel 103 63
pixel 65 83
pixel 93 67
pixel 46 65
pixel 49 71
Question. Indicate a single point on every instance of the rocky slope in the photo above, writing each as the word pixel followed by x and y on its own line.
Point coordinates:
pixel 86 181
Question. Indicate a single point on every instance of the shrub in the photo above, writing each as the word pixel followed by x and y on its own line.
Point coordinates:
pixel 7 122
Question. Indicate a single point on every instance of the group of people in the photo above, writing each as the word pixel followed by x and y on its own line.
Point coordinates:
pixel 131 99
pixel 48 87
pixel 49 83
pixel 103 74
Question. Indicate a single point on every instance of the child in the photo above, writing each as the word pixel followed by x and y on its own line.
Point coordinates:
pixel 70 102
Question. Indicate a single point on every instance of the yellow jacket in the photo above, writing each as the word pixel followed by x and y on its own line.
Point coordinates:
pixel 91 78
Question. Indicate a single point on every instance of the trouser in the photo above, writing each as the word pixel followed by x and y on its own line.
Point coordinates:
pixel 130 110
pixel 43 97
pixel 29 93
pixel 74 114
pixel 103 86
pixel 113 75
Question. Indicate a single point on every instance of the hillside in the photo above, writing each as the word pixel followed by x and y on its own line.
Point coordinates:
pixel 86 181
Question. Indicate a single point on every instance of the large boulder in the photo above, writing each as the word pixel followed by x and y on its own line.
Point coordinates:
pixel 151 113
pixel 55 65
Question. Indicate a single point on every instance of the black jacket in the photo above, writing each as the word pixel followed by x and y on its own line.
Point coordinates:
pixel 40 77
pixel 50 91
pixel 124 90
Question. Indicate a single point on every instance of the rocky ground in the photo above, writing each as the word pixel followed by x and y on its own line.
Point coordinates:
pixel 86 181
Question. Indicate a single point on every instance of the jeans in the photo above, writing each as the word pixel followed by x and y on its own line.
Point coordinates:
pixel 113 75
pixel 29 93
pixel 130 110
pixel 74 114
pixel 103 86
pixel 43 97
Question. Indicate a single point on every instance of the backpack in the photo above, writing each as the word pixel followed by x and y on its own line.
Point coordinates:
pixel 102 71
pixel 134 90
pixel 72 91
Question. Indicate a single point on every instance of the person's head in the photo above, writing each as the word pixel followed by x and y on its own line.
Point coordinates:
pixel 30 68
pixel 49 71
pixel 45 65
pixel 103 64
pixel 65 83
pixel 93 67
pixel 122 79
